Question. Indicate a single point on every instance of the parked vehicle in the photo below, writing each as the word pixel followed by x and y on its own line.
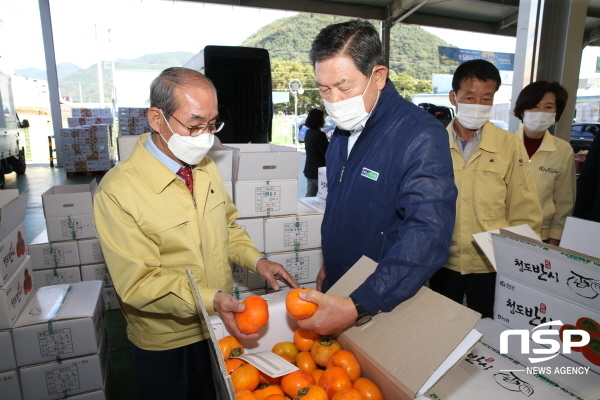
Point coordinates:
pixel 12 152
pixel 583 134
pixel 328 128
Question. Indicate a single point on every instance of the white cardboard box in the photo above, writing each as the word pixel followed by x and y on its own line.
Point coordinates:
pixel 66 200
pixel 96 272
pixel 125 145
pixel 303 265
pixel 315 203
pixel 265 198
pixel 519 306
pixel 581 235
pixel 9 386
pixel 223 157
pixel 13 207
pixel 60 321
pixel 7 351
pixel 111 300
pixel 322 182
pixel 229 189
pixel 407 357
pixel 15 294
pixel 554 372
pixel 264 161
pixel 13 250
pixel 54 380
pixel 56 276
pixel 246 280
pixel 71 228
pixel 45 254
pixel 90 251
pixel 256 231
pixel 558 271
pixel 293 233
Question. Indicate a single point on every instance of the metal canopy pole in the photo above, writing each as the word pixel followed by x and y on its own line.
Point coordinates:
pixel 560 60
pixel 525 52
pixel 52 76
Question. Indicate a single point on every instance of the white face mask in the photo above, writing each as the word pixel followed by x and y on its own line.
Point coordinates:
pixel 189 149
pixel 473 116
pixel 350 113
pixel 537 122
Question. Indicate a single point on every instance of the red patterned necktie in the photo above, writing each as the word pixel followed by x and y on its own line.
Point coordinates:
pixel 185 172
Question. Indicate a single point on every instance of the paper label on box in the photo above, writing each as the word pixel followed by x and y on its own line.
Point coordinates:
pixel 268 198
pixel 295 233
pixel 298 267
pixel 269 363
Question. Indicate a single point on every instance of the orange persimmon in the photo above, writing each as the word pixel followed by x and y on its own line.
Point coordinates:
pixel 245 377
pixel 347 394
pixel 295 381
pixel 298 308
pixel 333 380
pixel 233 363
pixel 254 316
pixel 345 360
pixel 323 349
pixel 305 338
pixel 368 389
pixel 312 392
pixel 244 394
pixel 263 391
pixel 230 347
pixel 305 362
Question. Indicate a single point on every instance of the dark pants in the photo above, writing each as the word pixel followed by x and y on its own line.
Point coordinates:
pixel 178 374
pixel 312 187
pixel 479 288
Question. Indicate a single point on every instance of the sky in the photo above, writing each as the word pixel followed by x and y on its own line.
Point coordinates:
pixel 87 30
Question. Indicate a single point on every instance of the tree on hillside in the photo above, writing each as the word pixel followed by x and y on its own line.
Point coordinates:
pixel 282 72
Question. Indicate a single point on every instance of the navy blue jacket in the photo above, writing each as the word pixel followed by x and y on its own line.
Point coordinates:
pixel 393 200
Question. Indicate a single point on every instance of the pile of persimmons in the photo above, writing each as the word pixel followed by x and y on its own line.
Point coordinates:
pixel 326 371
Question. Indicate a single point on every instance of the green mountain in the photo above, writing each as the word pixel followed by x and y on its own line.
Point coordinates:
pixel 414 51
pixel 84 83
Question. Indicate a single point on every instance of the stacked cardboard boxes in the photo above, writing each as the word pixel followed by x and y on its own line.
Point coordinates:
pixel 133 121
pixel 87 142
pixel 542 284
pixel 16 284
pixel 60 342
pixel 68 251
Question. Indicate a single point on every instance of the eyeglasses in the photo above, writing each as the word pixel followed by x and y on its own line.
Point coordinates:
pixel 197 130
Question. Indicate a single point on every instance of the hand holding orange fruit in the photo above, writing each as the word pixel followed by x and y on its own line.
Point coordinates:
pixel 254 316
pixel 298 308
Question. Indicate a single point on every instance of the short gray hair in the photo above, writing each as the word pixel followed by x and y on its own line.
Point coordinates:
pixel 162 88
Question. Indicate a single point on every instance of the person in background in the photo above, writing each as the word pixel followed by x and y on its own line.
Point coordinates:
pixel 391 195
pixel 163 211
pixel 495 186
pixel 587 205
pixel 315 144
pixel 539 106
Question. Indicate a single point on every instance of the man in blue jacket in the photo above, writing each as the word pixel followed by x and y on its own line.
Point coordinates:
pixel 391 194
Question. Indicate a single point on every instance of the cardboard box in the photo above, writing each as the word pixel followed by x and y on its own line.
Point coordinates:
pixel 9 386
pixel 90 251
pixel 265 198
pixel 96 272
pixel 406 358
pixel 580 235
pixel 68 200
pixel 255 229
pixel 229 189
pixel 7 360
pixel 264 161
pixel 241 295
pixel 322 182
pixel 13 250
pixel 293 233
pixel 223 157
pixel 15 294
pixel 302 265
pixel 111 300
pixel 12 210
pixel 125 145
pixel 246 280
pixel 71 228
pixel 555 372
pixel 560 272
pixel 45 254
pixel 519 306
pixel 316 203
pixel 62 321
pixel 58 380
pixel 56 276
